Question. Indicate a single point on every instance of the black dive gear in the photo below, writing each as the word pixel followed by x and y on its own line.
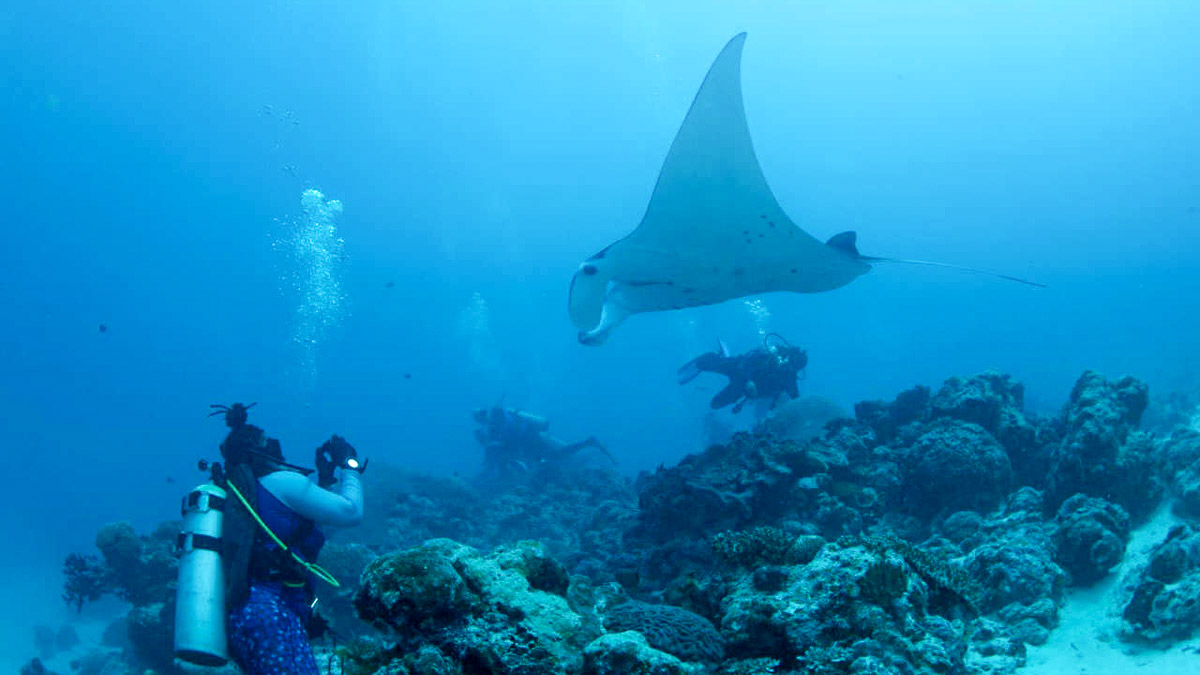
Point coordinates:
pixel 336 453
pixel 764 373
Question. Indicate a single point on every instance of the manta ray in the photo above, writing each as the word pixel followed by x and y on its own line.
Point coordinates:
pixel 713 230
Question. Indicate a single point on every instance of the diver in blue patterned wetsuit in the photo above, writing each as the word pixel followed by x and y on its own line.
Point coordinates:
pixel 271 543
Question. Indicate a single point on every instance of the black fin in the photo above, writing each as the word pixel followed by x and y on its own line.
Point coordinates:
pixel 845 242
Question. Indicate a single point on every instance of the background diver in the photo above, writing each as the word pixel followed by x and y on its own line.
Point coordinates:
pixel 270 588
pixel 517 442
pixel 764 373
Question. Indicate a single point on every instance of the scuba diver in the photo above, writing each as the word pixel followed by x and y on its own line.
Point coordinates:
pixel 764 373
pixel 270 545
pixel 516 442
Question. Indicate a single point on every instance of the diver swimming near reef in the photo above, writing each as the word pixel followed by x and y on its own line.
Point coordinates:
pixel 764 373
pixel 516 442
pixel 249 544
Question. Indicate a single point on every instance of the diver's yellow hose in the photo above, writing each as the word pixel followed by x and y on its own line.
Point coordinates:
pixel 313 568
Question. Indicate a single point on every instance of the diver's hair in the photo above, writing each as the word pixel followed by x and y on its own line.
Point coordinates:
pixel 246 443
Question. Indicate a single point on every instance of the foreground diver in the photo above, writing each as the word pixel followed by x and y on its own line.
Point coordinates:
pixel 516 442
pixel 271 544
pixel 764 373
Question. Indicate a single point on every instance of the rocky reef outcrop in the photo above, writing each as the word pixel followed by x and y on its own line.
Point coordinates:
pixel 514 611
pixel 1101 453
pixel 1162 604
pixel 141 570
pixel 938 532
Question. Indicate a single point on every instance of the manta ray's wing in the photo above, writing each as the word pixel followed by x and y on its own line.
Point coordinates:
pixel 712 231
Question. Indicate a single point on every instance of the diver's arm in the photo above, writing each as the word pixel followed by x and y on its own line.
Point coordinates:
pixel 325 507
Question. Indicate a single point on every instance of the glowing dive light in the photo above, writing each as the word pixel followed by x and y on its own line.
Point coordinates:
pixel 351 463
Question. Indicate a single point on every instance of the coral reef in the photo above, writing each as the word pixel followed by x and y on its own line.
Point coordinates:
pixel 755 547
pixel 1101 453
pixel 934 533
pixel 473 610
pixel 1011 555
pixel 35 667
pixel 800 419
pixel 1163 595
pixel 1091 538
pixel 141 570
pixel 954 465
pixel 629 654
pixel 728 487
pixel 578 513
pixel 86 579
pixel 848 605
pixel 346 562
pixel 1180 452
pixel 673 630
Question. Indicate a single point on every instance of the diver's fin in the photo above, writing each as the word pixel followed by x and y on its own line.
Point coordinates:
pixel 688 371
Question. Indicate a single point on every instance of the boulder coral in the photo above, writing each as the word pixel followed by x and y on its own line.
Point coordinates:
pixel 1101 453
pixel 472 609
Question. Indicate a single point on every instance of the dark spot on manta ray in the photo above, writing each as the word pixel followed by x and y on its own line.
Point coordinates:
pixel 761 236
pixel 589 270
pixel 763 216
pixel 103 328
pixel 739 271
pixel 793 270
pixel 771 223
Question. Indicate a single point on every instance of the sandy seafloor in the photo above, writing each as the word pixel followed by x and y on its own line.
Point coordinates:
pixel 1085 640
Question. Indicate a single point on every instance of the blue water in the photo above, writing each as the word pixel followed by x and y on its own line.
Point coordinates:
pixel 153 157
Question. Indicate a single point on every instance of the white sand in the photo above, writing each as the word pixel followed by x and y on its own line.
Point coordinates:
pixel 1085 641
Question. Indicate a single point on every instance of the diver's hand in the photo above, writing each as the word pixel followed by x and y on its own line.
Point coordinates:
pixel 340 452
pixel 325 467
pixel 334 453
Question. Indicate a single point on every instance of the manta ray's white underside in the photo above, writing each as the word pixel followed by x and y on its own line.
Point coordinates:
pixel 712 231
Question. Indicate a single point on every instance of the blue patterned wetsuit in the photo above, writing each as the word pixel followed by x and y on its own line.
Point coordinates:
pixel 268 635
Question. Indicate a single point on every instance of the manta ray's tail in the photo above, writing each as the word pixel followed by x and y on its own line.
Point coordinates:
pixel 847 242
pixel 873 259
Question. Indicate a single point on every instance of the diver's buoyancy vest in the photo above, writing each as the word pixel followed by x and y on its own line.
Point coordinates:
pixel 269 561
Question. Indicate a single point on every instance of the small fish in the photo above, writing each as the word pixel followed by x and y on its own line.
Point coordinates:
pixel 408 376
pixel 390 284
pixel 103 328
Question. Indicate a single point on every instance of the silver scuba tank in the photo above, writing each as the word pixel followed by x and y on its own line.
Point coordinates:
pixel 200 594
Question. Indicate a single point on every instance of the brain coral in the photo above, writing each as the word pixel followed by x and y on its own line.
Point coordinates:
pixel 669 629
pixel 953 466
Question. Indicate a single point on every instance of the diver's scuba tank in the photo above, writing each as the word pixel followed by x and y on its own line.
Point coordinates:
pixel 200 594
